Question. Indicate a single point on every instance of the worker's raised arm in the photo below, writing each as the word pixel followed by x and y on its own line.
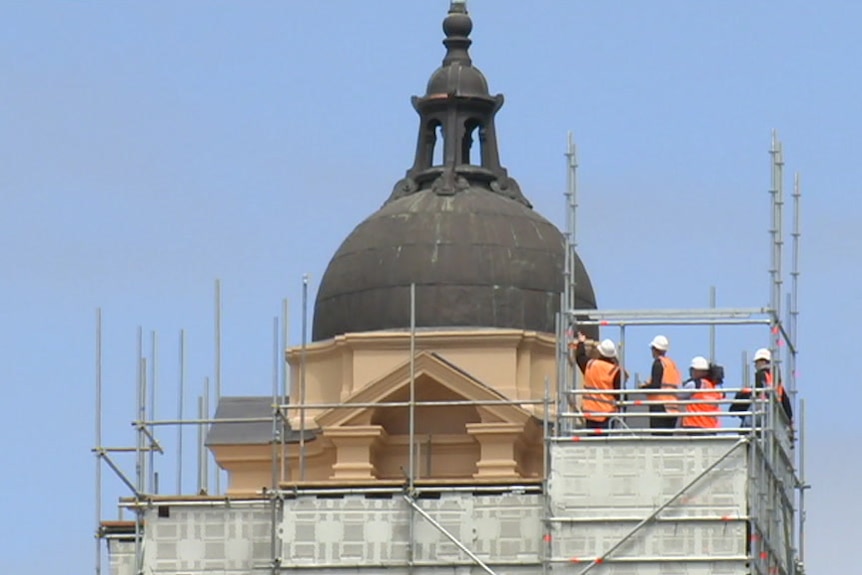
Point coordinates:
pixel 656 376
pixel 581 356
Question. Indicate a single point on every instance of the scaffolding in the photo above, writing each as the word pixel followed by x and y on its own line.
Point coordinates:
pixel 775 520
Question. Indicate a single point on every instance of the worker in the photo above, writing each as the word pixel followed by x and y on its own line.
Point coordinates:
pixel 665 375
pixel 601 374
pixel 702 388
pixel 762 380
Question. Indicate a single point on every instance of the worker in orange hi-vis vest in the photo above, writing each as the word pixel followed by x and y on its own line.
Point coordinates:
pixel 601 374
pixel 700 387
pixel 762 380
pixel 665 375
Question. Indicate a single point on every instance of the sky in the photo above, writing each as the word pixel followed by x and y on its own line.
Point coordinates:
pixel 148 149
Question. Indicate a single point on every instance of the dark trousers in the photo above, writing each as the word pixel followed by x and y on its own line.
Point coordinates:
pixel 659 418
pixel 590 424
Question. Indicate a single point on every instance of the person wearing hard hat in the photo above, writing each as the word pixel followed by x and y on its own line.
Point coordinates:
pixel 701 388
pixel 665 375
pixel 601 374
pixel 762 380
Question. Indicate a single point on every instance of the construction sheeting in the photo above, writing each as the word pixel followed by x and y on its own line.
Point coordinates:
pixel 633 506
pixel 323 535
pixel 355 531
pixel 600 491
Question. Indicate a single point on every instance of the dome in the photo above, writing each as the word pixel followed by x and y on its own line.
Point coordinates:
pixel 478 260
pixel 458 79
pixel 457 226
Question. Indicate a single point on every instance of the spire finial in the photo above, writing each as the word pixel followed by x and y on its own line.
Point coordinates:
pixel 457 26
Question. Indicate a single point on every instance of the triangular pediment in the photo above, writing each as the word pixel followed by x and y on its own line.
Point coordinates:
pixel 428 365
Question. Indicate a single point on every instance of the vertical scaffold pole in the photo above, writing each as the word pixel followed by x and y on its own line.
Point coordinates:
pixel 140 414
pixel 794 284
pixel 154 351
pixel 545 527
pixel 141 470
pixel 302 368
pixel 794 336
pixel 803 486
pixel 98 438
pixel 218 307
pixel 205 459
pixel 769 442
pixel 285 337
pixel 276 441
pixel 202 483
pixel 181 393
pixel 567 374
pixel 411 472
pixel 412 416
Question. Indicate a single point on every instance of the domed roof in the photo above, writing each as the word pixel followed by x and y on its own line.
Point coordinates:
pixel 458 79
pixel 478 260
pixel 457 226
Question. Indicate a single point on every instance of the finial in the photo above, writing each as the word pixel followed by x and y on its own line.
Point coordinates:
pixel 457 26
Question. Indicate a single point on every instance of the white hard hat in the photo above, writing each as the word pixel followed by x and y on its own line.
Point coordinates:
pixel 700 363
pixel 607 348
pixel 660 343
pixel 763 354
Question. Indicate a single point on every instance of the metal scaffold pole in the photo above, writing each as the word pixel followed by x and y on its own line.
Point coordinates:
pixel 302 368
pixel 285 336
pixel 140 468
pixel 181 392
pixel 794 282
pixel 411 471
pixel 218 308
pixel 276 442
pixel 777 195
pixel 154 350
pixel 98 438
pixel 202 451
pixel 567 376
pixel 803 486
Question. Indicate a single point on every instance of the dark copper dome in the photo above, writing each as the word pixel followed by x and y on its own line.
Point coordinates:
pixel 462 232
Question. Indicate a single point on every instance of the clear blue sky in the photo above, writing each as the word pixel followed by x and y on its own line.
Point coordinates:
pixel 149 148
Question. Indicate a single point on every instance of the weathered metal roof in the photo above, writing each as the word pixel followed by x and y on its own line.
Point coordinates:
pixel 478 260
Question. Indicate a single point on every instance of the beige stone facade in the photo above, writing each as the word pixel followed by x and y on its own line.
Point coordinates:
pixel 357 441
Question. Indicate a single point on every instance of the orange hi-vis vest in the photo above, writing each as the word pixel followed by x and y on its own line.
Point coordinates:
pixel 700 415
pixel 768 380
pixel 599 376
pixel 671 379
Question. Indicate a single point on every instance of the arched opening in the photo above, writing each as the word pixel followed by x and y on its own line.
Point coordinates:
pixel 472 150
pixel 431 144
pixel 438 146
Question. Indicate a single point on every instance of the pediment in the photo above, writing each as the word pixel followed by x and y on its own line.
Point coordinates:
pixel 428 365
